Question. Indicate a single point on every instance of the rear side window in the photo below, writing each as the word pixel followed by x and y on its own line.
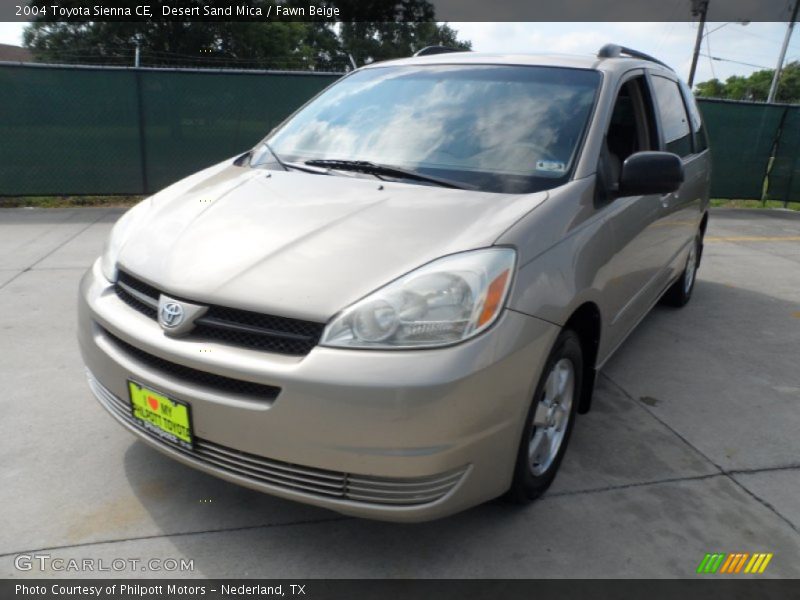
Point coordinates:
pixel 674 121
pixel 700 140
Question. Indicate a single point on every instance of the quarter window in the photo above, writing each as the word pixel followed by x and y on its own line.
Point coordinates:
pixel 700 140
pixel 674 121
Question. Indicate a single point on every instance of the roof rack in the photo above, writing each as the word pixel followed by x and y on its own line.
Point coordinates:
pixel 615 51
pixel 431 50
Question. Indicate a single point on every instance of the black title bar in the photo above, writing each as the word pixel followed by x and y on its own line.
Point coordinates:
pixel 703 587
pixel 392 10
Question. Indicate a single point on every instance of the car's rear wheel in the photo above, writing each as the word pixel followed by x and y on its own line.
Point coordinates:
pixel 549 420
pixel 680 292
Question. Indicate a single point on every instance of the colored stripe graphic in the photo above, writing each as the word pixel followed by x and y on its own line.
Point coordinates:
pixel 766 562
pixel 710 563
pixel 741 562
pixel 728 564
pixel 701 568
pixel 715 566
pixel 734 562
pixel 758 563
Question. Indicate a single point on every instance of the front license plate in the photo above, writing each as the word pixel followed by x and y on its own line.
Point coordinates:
pixel 163 417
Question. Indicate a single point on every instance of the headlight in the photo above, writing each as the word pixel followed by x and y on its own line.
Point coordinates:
pixel 118 237
pixel 441 303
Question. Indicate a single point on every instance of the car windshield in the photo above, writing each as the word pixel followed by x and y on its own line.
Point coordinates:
pixel 510 129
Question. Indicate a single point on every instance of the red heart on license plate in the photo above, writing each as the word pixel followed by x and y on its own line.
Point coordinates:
pixel 152 402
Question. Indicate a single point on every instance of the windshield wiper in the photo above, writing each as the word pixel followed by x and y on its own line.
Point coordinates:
pixel 290 165
pixel 365 166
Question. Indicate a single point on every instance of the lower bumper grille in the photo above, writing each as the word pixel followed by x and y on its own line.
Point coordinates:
pixel 319 482
pixel 195 376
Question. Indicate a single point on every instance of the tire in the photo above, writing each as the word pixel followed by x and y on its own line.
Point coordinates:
pixel 680 292
pixel 534 474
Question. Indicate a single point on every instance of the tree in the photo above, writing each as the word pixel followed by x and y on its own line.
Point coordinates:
pixel 280 44
pixel 755 87
pixel 713 88
pixel 405 26
pixel 368 42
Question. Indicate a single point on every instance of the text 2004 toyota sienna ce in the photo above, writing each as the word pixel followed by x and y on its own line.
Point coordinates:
pixel 395 305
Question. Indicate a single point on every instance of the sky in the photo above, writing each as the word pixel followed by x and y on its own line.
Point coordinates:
pixel 744 48
pixel 757 44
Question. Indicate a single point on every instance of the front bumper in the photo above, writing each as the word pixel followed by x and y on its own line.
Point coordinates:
pixel 393 435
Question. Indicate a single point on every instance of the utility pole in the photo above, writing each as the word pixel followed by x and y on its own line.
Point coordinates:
pixel 699 8
pixel 773 88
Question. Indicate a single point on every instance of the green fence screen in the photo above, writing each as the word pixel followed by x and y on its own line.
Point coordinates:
pixel 90 130
pixel 126 131
pixel 741 137
pixel 784 175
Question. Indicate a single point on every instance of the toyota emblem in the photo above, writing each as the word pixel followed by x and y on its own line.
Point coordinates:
pixel 171 314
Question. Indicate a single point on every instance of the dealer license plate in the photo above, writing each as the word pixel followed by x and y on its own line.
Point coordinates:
pixel 164 417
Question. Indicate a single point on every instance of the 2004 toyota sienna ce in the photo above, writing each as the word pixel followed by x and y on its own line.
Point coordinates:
pixel 395 305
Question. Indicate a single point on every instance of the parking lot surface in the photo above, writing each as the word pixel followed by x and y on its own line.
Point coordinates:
pixel 692 445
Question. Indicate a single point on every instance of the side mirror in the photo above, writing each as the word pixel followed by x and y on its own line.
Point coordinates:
pixel 650 173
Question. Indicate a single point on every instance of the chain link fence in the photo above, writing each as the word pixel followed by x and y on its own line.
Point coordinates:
pixel 71 130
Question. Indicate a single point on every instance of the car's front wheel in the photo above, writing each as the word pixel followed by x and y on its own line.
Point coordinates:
pixel 550 419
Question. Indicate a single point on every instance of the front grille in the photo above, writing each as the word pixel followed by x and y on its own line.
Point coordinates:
pixel 290 476
pixel 135 303
pixel 254 330
pixel 192 376
pixel 138 285
pixel 231 326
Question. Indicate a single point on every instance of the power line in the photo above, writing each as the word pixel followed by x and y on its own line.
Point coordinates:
pixel 766 38
pixel 668 32
pixel 738 62
pixel 708 46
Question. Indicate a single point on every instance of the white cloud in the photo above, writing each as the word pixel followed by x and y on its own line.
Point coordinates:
pixel 11 33
pixel 673 42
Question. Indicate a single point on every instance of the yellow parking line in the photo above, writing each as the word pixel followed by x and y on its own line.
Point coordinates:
pixel 754 238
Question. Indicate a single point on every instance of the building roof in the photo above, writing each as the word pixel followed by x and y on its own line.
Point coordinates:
pixel 14 53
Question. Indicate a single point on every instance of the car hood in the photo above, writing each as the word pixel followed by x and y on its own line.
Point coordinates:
pixel 303 245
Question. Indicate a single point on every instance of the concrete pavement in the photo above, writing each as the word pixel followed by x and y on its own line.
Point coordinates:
pixel 691 446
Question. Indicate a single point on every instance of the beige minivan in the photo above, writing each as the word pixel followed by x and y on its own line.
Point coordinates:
pixel 395 305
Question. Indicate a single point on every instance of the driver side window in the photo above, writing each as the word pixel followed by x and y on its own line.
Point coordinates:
pixel 630 130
